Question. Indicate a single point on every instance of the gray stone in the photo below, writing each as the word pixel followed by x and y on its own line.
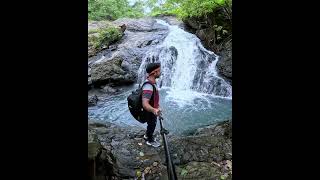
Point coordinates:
pixel 120 149
pixel 120 62
pixel 110 90
pixel 92 100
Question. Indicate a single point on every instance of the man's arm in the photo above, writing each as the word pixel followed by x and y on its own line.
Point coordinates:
pixel 147 91
pixel 148 107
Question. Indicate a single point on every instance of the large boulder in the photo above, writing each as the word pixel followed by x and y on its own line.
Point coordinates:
pixel 110 71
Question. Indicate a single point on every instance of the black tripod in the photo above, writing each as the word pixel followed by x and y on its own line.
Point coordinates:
pixel 170 166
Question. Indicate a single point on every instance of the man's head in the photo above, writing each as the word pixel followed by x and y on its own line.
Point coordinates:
pixel 153 69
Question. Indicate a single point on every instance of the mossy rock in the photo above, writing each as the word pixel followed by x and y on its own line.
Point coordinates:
pixel 198 170
pixel 93 150
pixel 94 146
pixel 101 37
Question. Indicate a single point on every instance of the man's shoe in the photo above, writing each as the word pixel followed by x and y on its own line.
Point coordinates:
pixel 153 143
pixel 145 137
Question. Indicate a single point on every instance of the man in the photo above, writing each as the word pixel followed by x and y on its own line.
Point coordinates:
pixel 150 103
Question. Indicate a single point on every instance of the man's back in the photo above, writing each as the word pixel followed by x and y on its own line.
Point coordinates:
pixel 147 92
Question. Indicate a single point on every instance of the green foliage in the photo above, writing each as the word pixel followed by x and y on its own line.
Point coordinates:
pixel 113 9
pixel 185 8
pixel 104 36
pixel 183 172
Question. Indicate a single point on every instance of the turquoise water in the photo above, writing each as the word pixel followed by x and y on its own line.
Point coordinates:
pixel 183 112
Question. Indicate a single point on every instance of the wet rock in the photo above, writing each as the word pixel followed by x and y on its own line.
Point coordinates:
pixel 110 90
pixel 155 164
pixel 223 129
pixel 100 161
pixel 224 65
pixel 119 63
pixel 201 148
pixel 92 100
pixel 194 156
pixel 143 24
pixel 198 170
pixel 172 20
pixel 89 82
pixel 110 71
pixel 94 146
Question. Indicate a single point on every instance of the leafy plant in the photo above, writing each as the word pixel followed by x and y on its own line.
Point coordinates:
pixel 113 9
pixel 185 8
pixel 183 172
pixel 104 36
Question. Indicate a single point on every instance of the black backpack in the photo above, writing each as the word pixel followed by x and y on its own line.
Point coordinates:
pixel 135 103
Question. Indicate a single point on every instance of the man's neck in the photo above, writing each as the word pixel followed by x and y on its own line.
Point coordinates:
pixel 152 79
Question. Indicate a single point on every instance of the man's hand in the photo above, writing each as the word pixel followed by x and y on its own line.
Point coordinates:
pixel 160 113
pixel 156 111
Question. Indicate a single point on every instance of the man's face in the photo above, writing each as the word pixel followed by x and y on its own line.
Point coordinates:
pixel 158 72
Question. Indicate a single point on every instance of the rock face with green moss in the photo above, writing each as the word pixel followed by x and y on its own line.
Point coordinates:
pixel 101 34
pixel 121 153
pixel 118 61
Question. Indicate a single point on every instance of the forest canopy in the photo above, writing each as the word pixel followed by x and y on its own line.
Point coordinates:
pixel 114 9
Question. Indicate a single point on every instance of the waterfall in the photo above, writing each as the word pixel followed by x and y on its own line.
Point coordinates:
pixel 192 94
pixel 186 65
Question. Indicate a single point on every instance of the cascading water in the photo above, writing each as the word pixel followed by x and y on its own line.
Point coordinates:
pixel 186 65
pixel 191 92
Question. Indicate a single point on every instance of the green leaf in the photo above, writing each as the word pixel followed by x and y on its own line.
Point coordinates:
pixel 183 172
pixel 219 28
pixel 224 31
pixel 141 154
pixel 138 173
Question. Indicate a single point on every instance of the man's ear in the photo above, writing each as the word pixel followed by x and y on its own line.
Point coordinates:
pixel 151 74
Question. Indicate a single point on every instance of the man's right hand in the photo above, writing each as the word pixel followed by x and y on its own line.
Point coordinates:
pixel 156 111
